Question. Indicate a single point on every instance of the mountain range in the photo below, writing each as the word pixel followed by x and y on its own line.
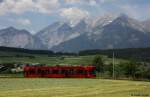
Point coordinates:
pixel 105 32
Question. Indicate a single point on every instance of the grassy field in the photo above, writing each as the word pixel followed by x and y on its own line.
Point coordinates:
pixel 49 59
pixel 43 59
pixel 60 60
pixel 21 87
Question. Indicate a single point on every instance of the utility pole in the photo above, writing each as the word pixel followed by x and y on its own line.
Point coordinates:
pixel 113 65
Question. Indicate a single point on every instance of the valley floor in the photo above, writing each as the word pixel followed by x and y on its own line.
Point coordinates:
pixel 23 87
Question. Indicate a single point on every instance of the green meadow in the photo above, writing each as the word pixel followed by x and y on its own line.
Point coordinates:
pixel 23 87
pixel 57 60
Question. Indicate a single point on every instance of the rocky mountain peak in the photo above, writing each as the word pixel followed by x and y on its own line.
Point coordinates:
pixel 10 28
pixel 101 32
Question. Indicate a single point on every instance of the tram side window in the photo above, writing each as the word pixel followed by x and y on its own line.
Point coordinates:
pixel 72 71
pixel 46 71
pixel 50 72
pixel 39 71
pixel 85 71
pixel 31 72
pixel 55 72
pixel 80 72
pixel 63 71
pixel 43 72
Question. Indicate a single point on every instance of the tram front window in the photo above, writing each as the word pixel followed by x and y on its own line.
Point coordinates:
pixel 93 72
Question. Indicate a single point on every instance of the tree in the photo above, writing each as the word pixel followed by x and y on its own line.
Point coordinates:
pixel 98 62
pixel 131 69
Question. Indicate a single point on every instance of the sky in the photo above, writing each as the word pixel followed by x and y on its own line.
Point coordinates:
pixel 34 15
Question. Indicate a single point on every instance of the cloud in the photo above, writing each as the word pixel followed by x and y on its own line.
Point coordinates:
pixel 73 15
pixel 1 1
pixel 47 6
pixel 73 1
pixel 21 6
pixel 24 21
pixel 85 2
pixel 15 6
pixel 135 11
pixel 88 2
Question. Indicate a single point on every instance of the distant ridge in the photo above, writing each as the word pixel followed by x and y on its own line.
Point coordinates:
pixel 139 54
pixel 22 50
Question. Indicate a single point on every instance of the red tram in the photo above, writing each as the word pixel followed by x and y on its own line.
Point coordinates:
pixel 59 71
